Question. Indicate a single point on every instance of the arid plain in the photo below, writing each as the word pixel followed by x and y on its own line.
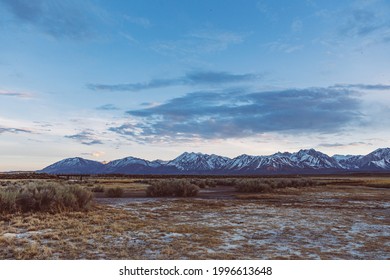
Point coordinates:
pixel 322 217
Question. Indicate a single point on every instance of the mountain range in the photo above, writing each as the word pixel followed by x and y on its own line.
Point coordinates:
pixel 307 161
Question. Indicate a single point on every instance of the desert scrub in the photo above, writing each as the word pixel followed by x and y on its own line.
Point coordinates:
pixel 173 187
pixel 254 185
pixel 203 183
pixel 114 192
pixel 98 189
pixel 269 185
pixel 44 197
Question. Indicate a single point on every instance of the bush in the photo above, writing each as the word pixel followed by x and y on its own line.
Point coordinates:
pixel 254 185
pixel 44 197
pixel 114 192
pixel 98 189
pixel 268 185
pixel 175 187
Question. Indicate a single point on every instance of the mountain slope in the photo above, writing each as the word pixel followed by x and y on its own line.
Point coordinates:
pixel 75 165
pixel 303 161
pixel 129 165
pixel 198 162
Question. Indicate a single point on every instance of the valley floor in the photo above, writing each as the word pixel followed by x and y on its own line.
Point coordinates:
pixel 326 222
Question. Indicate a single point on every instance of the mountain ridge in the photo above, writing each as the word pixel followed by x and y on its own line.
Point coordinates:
pixel 304 161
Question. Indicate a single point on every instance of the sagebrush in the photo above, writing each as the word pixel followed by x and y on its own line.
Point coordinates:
pixel 172 187
pixel 44 197
pixel 114 192
pixel 261 185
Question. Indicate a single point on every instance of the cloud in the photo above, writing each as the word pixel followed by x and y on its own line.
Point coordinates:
pixel 191 78
pixel 297 26
pixel 15 94
pixel 199 42
pixel 363 86
pixel 368 20
pixel 86 137
pixel 96 154
pixel 361 22
pixel 108 107
pixel 60 19
pixel 263 6
pixel 221 115
pixel 13 130
pixel 333 145
pixel 141 21
pixel 285 47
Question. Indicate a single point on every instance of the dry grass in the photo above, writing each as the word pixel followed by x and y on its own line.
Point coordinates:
pixel 326 222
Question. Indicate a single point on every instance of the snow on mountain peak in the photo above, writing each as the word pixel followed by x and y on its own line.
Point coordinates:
pixel 308 160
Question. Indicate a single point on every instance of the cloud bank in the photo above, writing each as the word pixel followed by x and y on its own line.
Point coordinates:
pixel 363 86
pixel 191 78
pixel 221 115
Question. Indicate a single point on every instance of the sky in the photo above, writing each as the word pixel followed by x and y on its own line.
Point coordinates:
pixel 104 80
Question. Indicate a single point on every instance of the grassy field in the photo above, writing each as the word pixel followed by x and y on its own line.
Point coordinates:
pixel 328 217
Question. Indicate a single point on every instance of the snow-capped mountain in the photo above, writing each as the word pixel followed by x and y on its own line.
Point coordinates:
pixel 376 160
pixel 75 165
pixel 284 162
pixel 379 158
pixel 198 162
pixel 350 162
pixel 303 161
pixel 314 159
pixel 130 165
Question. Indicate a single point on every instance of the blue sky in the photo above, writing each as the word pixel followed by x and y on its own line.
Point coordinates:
pixel 152 79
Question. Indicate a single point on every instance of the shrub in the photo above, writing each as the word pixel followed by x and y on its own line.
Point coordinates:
pixel 253 185
pixel 8 201
pixel 211 183
pixel 44 197
pixel 175 187
pixel 226 182
pixel 268 185
pixel 114 192
pixel 98 189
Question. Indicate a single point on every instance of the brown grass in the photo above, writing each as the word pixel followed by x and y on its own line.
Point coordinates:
pixel 324 222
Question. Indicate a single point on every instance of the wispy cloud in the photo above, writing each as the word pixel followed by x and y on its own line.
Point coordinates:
pixel 363 86
pixel 96 154
pixel 335 145
pixel 199 42
pixel 13 130
pixel 356 26
pixel 15 94
pixel 69 19
pixel 297 26
pixel 221 115
pixel 191 78
pixel 141 21
pixel 85 137
pixel 368 20
pixel 108 107
pixel 361 22
pixel 284 47
pixel 263 6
